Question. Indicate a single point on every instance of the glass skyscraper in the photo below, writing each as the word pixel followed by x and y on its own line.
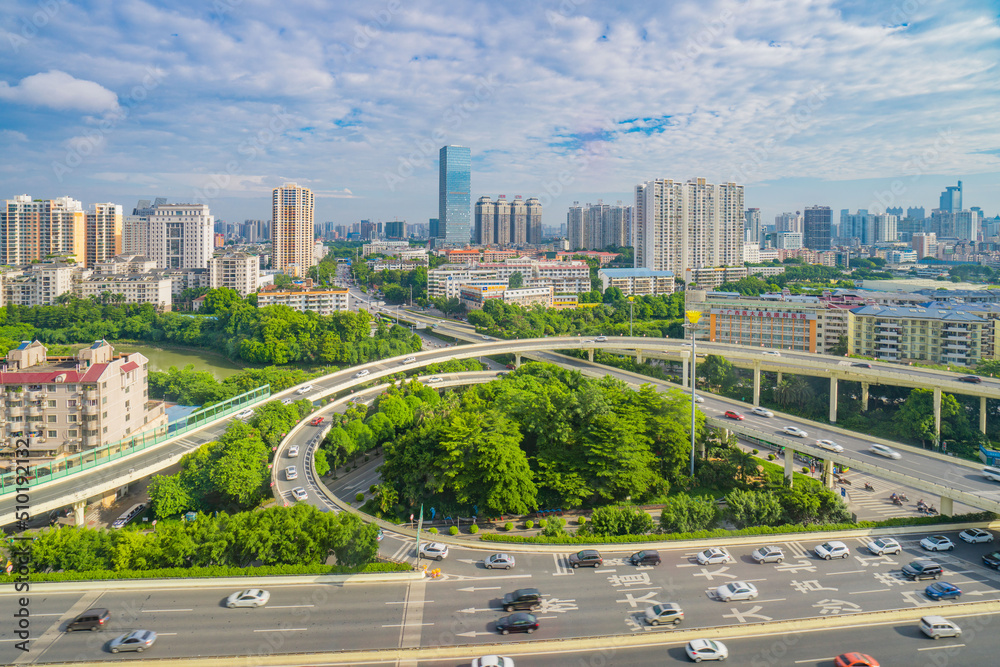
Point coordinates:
pixel 455 195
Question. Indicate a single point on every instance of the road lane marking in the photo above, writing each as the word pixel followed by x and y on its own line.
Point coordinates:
pixel 404 625
pixel 771 600
pixel 931 648
pixel 287 606
pixel 418 602
pixel 874 590
pixel 802 662
pixel 166 634
pixel 830 574
pixel 36 615
pixel 157 611
pixel 281 630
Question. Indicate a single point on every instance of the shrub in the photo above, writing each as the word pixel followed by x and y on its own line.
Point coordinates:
pixel 563 521
pixel 373 489
pixel 360 497
pixel 543 523
pixel 453 530
pixel 771 457
pixel 474 529
pixel 433 531
pixel 529 524
pixel 805 470
pixel 756 452
pixel 509 526
pixel 582 521
pixel 216 571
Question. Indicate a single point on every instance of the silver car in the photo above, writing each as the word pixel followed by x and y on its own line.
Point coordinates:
pixel 714 556
pixel 768 555
pixel 252 597
pixel 884 545
pixel 882 450
pixel 299 493
pixel 434 551
pixel 736 590
pixel 138 641
pixel 794 430
pixel 762 412
pixel 291 473
pixel 499 562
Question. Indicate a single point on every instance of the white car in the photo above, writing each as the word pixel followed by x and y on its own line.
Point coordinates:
pixel 304 390
pixel 937 543
pixel 833 549
pixel 976 536
pixel 493 661
pixel 434 551
pixel 485 337
pixel 736 590
pixel 714 556
pixel 794 430
pixel 410 360
pixel 829 445
pixel 884 545
pixel 762 412
pixel 291 473
pixel 882 450
pixel 299 493
pixel 601 339
pixel 287 401
pixel 499 562
pixel 244 414
pixel 252 597
pixel 434 380
pixel 772 353
pixel 768 555
pixel 699 399
pixel 706 649
pixel 293 451
pixel 360 374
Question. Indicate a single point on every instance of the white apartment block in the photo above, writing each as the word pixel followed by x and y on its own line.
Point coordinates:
pixel 322 301
pixel 38 285
pixel 125 264
pixel 637 282
pixel 567 277
pixel 682 226
pixel 236 270
pixel 181 236
pixel 292 230
pixel 31 230
pixel 390 248
pixel 104 233
pixel 65 406
pixel 154 288
pixel 446 281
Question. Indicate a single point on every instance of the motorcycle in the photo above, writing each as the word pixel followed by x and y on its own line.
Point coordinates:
pixel 897 501
pixel 902 496
pixel 869 487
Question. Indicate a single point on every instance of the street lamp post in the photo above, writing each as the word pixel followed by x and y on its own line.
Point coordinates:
pixel 631 304
pixel 692 317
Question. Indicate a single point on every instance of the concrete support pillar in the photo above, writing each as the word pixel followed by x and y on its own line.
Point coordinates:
pixel 638 356
pixel 590 355
pixel 828 473
pixel 789 466
pixel 517 359
pixel 937 415
pixel 864 396
pixel 79 516
pixel 833 399
pixel 684 372
pixel 779 378
pixel 756 383
pixel 982 414
pixel 947 506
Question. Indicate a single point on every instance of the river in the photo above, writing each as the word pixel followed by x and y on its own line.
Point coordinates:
pixel 161 359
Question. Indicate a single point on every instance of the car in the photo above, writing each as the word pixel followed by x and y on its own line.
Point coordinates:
pixel 128 515
pixel 244 414
pixel 522 622
pixel 762 412
pixel 992 560
pixel 92 619
pixel 287 401
pixel 772 353
pixel 499 562
pixel 706 649
pixel 493 661
pixel 524 599
pixel 485 337
pixel 699 399
pixel 937 543
pixel 299 493
pixel 736 590
pixel 729 414
pixel 664 614
pixel 942 590
pixel 360 374
pixel 434 380
pixel 304 389
pixel 855 660
pixel 974 379
pixel 251 597
pixel 291 473
pixel 380 536
pixel 586 558
pixel 647 557
pixel 861 364
pixel 882 450
pixel 884 545
pixel 137 640
pixel 293 451
pixel 991 473
pixel 410 360
pixel 601 339
pixel 714 556
pixel 794 430
pixel 832 549
pixel 976 536
pixel 768 555
pixel 936 627
pixel 829 445
pixel 434 551
pixel 922 568
pixel 317 421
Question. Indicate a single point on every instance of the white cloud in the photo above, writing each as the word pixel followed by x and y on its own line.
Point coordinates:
pixel 61 91
pixel 13 135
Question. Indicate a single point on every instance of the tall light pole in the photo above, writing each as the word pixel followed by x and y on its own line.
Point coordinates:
pixel 631 305
pixel 692 317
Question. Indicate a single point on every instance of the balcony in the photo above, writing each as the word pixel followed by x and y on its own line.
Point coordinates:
pixel 34 395
pixel 91 394
pixel 35 410
pixel 15 411
pixel 91 409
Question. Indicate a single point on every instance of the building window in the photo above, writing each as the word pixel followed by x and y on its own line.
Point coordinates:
pixel 51 419
pixel 71 433
pixel 71 419
pixel 51 403
pixel 105 429
pixel 53 434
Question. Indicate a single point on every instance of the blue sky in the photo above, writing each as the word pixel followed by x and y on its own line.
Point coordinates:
pixel 843 103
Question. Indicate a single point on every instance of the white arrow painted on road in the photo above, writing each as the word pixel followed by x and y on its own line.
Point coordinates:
pixel 473 589
pixel 469 561
pixel 473 610
pixel 473 634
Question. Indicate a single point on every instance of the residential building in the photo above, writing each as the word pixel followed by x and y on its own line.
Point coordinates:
pixel 324 301
pixel 925 245
pixel 788 222
pixel 575 227
pixel 752 232
pixel 816 227
pixel 391 248
pixel 637 281
pixel 135 227
pixel 930 334
pixel 292 229
pixel 475 295
pixel 902 257
pixel 104 233
pixel 564 277
pixel 787 240
pixel 236 270
pixel 533 210
pixel 518 222
pixel 180 236
pixel 397 264
pixel 68 405
pixel 603 258
pixel 882 228
pixel 37 284
pixel 962 224
pixel 32 230
pixel 486 222
pixel 395 229
pixel 597 226
pixel 125 264
pixel 154 288
pixel 507 222
pixel 454 195
pixel 689 225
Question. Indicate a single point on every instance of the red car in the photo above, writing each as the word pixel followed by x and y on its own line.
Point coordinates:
pixel 316 422
pixel 855 660
pixel 733 415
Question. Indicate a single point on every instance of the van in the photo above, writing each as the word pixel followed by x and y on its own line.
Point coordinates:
pixel 936 627
pixel 92 619
pixel 992 474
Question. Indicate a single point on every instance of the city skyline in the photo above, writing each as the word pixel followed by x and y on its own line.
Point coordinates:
pixel 184 103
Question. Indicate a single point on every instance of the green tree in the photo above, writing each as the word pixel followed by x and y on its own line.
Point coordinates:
pixel 717 371
pixel 516 280
pixel 752 508
pixel 321 465
pixel 169 496
pixel 684 514
pixel 620 520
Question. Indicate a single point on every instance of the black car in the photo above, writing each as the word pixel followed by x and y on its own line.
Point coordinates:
pixel 922 569
pixel 525 599
pixel 586 558
pixel 517 623
pixel 645 558
pixel 861 365
pixel 92 619
pixel 974 379
pixel 992 559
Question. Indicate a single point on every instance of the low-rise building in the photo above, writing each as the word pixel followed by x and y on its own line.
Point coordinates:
pixel 154 288
pixel 638 281
pixel 603 258
pixel 324 301
pixel 475 295
pixel 37 284
pixel 938 335
pixel 397 264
